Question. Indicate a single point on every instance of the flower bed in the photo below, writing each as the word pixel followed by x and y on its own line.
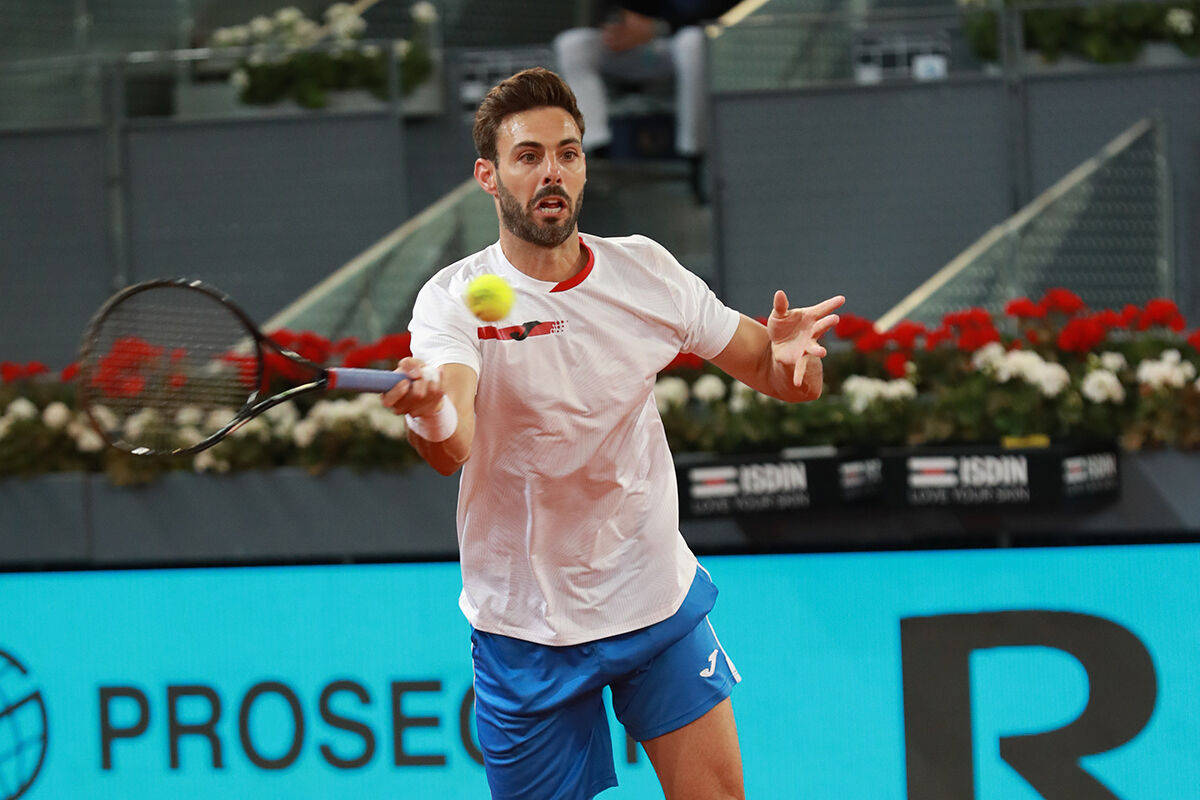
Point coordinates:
pixel 1047 370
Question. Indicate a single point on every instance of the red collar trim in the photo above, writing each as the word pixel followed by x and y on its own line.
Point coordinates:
pixel 577 279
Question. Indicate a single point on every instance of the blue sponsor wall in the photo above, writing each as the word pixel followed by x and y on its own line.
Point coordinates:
pixel 837 652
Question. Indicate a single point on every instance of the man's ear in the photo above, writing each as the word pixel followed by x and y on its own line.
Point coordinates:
pixel 485 175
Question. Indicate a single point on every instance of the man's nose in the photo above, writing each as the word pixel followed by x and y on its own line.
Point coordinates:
pixel 553 173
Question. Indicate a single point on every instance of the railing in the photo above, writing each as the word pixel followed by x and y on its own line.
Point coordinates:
pixel 787 44
pixel 207 83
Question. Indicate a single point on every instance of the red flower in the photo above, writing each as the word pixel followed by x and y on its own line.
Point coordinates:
pixel 283 337
pixel 1129 315
pixel 1033 336
pixel 312 347
pixel 1063 301
pixel 35 368
pixel 870 342
pixel 1194 339
pixel 247 367
pixel 395 345
pixel 1024 308
pixel 1081 335
pixel 343 346
pixel 69 372
pixel 974 337
pixel 684 361
pixel 1108 318
pixel 896 364
pixel 851 326
pixel 177 380
pixel 1161 311
pixel 936 337
pixel 968 318
pixel 905 333
pixel 10 371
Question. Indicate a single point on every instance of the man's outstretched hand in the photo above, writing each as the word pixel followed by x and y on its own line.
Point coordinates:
pixel 795 333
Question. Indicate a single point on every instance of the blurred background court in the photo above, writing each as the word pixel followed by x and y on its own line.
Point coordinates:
pixel 1007 193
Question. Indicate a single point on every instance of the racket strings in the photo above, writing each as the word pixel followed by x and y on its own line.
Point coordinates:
pixel 167 367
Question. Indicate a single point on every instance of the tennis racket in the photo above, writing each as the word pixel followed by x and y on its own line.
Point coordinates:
pixel 173 366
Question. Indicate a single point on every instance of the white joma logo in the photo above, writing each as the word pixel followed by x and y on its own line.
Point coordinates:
pixel 712 665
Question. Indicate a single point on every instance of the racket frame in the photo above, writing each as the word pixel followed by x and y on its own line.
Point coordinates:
pixel 249 410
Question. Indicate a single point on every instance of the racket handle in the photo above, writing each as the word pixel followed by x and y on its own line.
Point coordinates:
pixel 364 380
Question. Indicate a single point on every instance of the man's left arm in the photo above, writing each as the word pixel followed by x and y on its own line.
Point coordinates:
pixel 782 358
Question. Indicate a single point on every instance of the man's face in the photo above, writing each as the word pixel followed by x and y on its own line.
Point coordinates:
pixel 540 173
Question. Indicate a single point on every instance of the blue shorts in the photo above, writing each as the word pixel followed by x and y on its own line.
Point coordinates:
pixel 540 712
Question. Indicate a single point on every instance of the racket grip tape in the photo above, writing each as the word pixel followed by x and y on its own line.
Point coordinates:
pixel 364 380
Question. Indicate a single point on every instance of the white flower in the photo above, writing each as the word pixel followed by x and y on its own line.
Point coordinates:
pixel 1113 362
pixel 189 415
pixel 305 432
pixel 337 10
pixel 218 418
pixel 708 388
pixel 261 27
pixel 21 408
pixel 56 415
pixel 1051 379
pixel 239 79
pixel 1169 371
pixel 137 423
pixel 305 33
pixel 87 440
pixel 189 436
pixel 424 12
pixel 1021 364
pixel 898 389
pixel 401 47
pixel 861 391
pixel 347 26
pixel 988 357
pixel 371 50
pixel 105 418
pixel 387 422
pixel 255 428
pixel 739 403
pixel 257 58
pixel 670 391
pixel 289 15
pixel 207 461
pixel 283 417
pixel 221 37
pixel 1181 21
pixel 240 34
pixel 1102 386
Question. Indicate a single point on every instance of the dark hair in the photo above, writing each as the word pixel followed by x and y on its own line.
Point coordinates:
pixel 530 88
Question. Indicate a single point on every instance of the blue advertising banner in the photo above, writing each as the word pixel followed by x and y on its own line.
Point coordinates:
pixel 1015 674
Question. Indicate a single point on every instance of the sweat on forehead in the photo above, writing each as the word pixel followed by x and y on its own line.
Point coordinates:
pixel 545 127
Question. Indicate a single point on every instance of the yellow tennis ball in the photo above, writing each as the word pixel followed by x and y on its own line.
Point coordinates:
pixel 489 297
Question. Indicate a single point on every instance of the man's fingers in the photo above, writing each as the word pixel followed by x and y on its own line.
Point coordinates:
pixel 823 325
pixel 781 304
pixel 826 306
pixel 801 368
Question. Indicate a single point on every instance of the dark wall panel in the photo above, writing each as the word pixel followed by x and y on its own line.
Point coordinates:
pixel 1072 116
pixel 263 209
pixel 54 260
pixel 865 193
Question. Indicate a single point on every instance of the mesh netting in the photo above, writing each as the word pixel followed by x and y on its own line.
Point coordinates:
pixel 1104 231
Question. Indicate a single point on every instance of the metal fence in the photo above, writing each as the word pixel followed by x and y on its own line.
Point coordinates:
pixel 1104 230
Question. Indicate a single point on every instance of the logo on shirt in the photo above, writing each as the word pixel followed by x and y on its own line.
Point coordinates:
pixel 519 333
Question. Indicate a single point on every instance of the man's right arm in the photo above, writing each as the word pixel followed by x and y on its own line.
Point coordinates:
pixel 425 399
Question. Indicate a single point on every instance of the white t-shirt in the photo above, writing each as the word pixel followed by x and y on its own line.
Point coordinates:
pixel 568 515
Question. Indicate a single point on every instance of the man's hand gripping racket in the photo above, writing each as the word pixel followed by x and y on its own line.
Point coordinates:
pixel 174 366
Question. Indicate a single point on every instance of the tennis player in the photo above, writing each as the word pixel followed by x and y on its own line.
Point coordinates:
pixel 575 575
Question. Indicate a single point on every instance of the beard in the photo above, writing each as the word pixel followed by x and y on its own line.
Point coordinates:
pixel 520 221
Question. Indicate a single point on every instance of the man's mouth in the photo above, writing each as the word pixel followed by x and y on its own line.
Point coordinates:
pixel 550 206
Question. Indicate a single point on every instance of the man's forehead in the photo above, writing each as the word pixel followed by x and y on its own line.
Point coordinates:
pixel 547 125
